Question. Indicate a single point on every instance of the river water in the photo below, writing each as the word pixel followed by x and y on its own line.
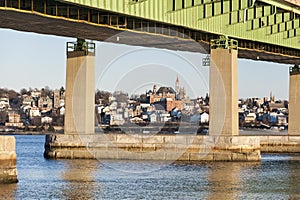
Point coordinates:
pixel 276 177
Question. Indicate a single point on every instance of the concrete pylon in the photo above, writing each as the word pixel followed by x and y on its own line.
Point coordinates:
pixel 294 102
pixel 223 90
pixel 80 92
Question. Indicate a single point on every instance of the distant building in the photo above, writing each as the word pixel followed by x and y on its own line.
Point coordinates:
pixel 165 97
pixel 56 99
pixel 251 117
pixel 35 93
pixel 276 106
pixel 117 119
pixel 204 118
pixel 282 119
pixel 4 103
pixel 45 103
pixel 62 111
pixel 34 112
pixel 27 100
pixel 180 91
pixel 13 120
pixel 46 120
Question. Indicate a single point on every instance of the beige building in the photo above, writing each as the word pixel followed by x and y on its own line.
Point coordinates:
pixel 58 99
pixel 45 103
pixel 14 120
pixel 27 100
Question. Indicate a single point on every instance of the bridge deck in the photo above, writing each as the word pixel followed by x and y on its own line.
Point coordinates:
pixel 69 20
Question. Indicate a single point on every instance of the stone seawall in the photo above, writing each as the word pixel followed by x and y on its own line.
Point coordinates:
pixel 8 160
pixel 153 147
pixel 280 144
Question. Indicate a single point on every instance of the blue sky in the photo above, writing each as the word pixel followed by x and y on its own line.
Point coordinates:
pixel 34 60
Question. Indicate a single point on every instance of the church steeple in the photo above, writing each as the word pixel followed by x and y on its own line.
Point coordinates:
pixel 177 85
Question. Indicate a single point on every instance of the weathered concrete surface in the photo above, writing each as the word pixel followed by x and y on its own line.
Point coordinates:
pixel 294 104
pixel 153 147
pixel 280 144
pixel 8 160
pixel 80 88
pixel 223 90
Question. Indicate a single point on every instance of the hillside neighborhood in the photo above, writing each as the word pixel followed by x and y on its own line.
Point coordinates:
pixel 38 110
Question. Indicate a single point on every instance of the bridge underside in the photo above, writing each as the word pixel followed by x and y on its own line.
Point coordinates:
pixel 46 24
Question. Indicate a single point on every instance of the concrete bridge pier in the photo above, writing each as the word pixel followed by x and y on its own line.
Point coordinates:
pixel 294 101
pixel 80 90
pixel 223 90
pixel 8 160
pixel 80 108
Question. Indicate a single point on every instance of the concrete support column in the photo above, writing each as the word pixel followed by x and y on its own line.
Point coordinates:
pixel 294 103
pixel 80 93
pixel 8 160
pixel 223 90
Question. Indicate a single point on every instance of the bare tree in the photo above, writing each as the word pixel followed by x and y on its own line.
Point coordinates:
pixel 3 117
pixel 23 91
pixel 103 95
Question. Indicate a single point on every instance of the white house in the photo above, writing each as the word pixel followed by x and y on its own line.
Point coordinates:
pixel 117 119
pixel 204 118
pixel 62 111
pixel 46 120
pixel 153 117
pixel 165 117
pixel 250 117
pixel 281 119
pixel 35 112
pixel 4 103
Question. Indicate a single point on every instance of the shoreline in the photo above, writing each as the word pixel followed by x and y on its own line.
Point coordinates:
pixel 242 132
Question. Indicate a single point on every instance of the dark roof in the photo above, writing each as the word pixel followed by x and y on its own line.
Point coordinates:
pixel 166 90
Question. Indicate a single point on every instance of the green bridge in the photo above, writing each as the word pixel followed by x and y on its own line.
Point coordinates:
pixel 265 29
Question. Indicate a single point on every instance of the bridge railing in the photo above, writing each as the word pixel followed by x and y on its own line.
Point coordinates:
pixel 295 69
pixel 87 47
pixel 224 43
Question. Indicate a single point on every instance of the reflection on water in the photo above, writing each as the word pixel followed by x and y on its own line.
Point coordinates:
pixel 224 180
pixel 276 177
pixel 8 191
pixel 79 176
pixel 293 176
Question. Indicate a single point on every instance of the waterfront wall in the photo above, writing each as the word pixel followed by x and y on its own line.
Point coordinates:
pixel 153 147
pixel 8 160
pixel 280 144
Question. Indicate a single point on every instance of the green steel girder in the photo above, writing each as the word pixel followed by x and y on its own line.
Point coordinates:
pixel 276 26
pixel 285 26
pixel 242 8
pixel 89 21
pixel 220 17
